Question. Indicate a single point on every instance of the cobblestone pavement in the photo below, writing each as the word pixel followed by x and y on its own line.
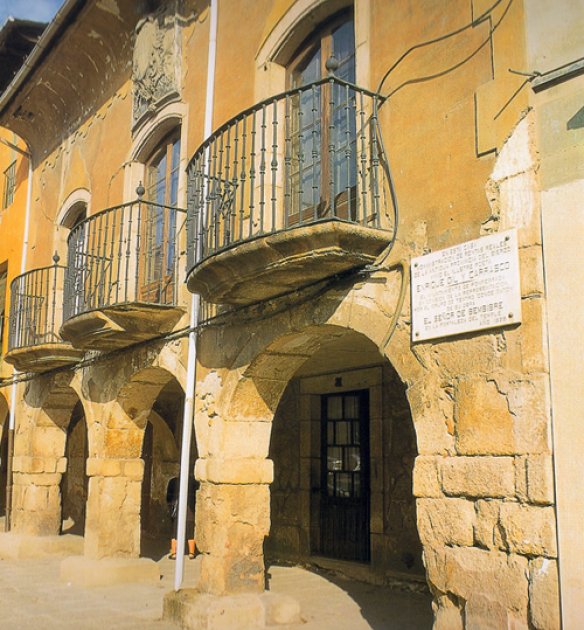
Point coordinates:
pixel 32 597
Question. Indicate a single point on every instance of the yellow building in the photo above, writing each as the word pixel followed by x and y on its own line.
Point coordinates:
pixel 355 191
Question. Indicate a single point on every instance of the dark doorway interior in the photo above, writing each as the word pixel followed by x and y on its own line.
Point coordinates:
pixel 74 483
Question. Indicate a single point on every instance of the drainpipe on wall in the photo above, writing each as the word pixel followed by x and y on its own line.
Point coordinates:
pixel 188 416
pixel 12 416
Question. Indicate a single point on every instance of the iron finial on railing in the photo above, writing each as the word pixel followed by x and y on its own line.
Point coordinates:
pixel 332 65
pixel 56 258
pixel 140 190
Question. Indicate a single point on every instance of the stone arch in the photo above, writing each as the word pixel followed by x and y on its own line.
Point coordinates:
pixel 147 137
pixel 139 455
pixel 234 424
pixel 294 26
pixel 67 215
pixel 41 460
pixel 75 207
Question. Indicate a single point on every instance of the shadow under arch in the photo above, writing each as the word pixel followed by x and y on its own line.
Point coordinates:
pixel 153 401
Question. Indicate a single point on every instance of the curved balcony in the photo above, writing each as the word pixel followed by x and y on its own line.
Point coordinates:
pixel 121 283
pixel 288 192
pixel 36 311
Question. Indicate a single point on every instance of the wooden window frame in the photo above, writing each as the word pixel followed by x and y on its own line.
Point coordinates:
pixel 9 185
pixel 322 37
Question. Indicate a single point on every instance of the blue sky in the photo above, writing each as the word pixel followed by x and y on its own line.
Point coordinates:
pixel 36 10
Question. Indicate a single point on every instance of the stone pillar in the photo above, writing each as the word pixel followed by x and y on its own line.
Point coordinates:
pixel 112 522
pixel 232 520
pixel 36 499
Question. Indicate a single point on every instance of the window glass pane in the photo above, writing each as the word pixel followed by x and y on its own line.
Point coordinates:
pixel 344 49
pixel 309 71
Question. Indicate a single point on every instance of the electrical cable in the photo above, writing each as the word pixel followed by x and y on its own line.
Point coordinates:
pixel 484 16
pixel 442 73
pixel 325 285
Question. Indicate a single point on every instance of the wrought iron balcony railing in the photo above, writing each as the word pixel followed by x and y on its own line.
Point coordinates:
pixel 123 255
pixel 309 155
pixel 36 308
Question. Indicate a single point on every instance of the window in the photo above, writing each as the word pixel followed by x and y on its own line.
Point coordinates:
pixel 3 318
pixel 9 185
pixel 322 118
pixel 159 233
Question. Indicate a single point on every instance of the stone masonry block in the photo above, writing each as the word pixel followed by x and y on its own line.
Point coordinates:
pixel 134 468
pixel 520 207
pixel 484 424
pixel 540 479
pixel 528 530
pixel 478 476
pixel 529 402
pixel 246 439
pixel 544 610
pixel 521 478
pixel 487 519
pixel 36 498
pixel 531 271
pixel 491 583
pixel 516 155
pixel 48 479
pixel 244 471
pixel 426 481
pixel 445 521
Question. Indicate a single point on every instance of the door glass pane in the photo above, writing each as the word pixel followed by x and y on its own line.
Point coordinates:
pixel 330 432
pixel 344 485
pixel 352 459
pixel 356 434
pixel 330 484
pixel 343 433
pixel 335 458
pixel 334 407
pixel 356 486
pixel 351 407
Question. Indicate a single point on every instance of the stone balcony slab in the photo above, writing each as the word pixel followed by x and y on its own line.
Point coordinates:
pixel 119 326
pixel 275 264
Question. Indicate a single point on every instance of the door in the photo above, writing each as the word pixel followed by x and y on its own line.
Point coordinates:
pixel 344 504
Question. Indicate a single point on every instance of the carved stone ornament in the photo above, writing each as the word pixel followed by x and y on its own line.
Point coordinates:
pixel 156 63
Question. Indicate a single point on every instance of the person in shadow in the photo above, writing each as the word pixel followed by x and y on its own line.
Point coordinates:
pixel 172 494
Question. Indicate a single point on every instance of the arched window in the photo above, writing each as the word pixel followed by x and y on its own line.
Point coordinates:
pixel 324 117
pixel 335 38
pixel 159 224
pixel 162 171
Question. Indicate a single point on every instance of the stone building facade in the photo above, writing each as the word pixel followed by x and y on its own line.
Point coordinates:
pixel 286 160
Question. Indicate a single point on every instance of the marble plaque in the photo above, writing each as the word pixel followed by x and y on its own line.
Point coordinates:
pixel 465 288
